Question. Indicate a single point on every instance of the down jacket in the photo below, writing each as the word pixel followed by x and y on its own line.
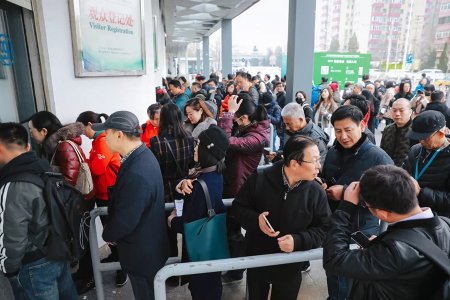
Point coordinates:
pixel 387 269
pixel 23 214
pixel 395 142
pixel 435 182
pixel 65 157
pixel 245 152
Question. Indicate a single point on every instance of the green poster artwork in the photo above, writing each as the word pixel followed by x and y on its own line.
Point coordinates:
pixel 341 67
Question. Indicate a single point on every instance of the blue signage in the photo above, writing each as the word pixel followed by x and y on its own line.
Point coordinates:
pixel 409 58
pixel 6 50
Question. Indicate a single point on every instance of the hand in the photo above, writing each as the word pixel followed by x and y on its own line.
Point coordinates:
pixel 186 186
pixel 334 192
pixel 271 155
pixel 263 226
pixel 286 243
pixel 416 186
pixel 233 105
pixel 351 193
pixel 172 215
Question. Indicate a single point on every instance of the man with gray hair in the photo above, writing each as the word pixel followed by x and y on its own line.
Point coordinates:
pixel 295 124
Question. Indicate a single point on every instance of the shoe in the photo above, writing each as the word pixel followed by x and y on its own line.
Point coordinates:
pixel 121 278
pixel 84 286
pixel 306 267
pixel 229 279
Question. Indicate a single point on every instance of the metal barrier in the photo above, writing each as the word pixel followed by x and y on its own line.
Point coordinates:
pixel 97 266
pixel 220 265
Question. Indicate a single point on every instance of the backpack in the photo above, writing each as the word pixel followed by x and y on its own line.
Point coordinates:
pixel 431 251
pixel 68 215
pixel 84 180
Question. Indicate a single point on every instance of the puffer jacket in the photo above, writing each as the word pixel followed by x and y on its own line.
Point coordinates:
pixel 104 166
pixel 395 142
pixel 244 153
pixel 64 156
pixel 387 269
pixel 274 113
pixel 435 181
pixel 23 214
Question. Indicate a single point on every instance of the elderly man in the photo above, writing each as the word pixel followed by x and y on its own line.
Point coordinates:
pixel 295 124
pixel 394 140
pixel 429 161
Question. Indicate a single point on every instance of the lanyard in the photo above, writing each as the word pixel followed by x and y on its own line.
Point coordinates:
pixel 418 175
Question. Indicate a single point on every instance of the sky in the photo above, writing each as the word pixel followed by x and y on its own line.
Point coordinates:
pixel 263 25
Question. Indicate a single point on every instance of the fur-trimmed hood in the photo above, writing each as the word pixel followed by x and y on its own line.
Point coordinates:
pixel 71 132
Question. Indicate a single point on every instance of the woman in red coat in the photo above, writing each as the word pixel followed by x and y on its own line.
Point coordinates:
pixel 104 166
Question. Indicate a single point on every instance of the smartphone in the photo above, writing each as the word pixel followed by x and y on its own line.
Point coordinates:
pixel 268 224
pixel 361 239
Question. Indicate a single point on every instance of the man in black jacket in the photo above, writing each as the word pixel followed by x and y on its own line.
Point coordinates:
pixel 297 209
pixel 136 220
pixel 386 268
pixel 429 161
pixel 346 161
pixel 438 104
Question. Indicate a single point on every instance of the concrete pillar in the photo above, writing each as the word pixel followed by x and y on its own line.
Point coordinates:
pixel 206 69
pixel 300 56
pixel 227 43
pixel 198 66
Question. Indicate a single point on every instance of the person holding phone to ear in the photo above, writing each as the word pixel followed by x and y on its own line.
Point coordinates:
pixel 283 209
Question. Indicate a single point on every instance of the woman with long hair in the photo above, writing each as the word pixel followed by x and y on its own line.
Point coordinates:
pixel 173 147
pixel 198 116
pixel 231 90
pixel 104 166
pixel 404 91
pixel 324 108
pixel 300 98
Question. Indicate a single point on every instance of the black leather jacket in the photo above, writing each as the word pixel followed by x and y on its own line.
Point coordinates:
pixel 387 269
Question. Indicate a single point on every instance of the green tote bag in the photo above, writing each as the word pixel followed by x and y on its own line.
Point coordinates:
pixel 206 239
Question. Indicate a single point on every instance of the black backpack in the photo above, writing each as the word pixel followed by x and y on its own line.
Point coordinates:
pixel 431 251
pixel 68 213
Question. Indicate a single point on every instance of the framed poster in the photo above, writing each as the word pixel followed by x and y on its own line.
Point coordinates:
pixel 108 37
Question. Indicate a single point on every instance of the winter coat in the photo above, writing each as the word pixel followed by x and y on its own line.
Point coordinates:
pixel 343 166
pixel 281 99
pixel 245 152
pixel 65 159
pixel 23 213
pixel 253 92
pixel 316 133
pixel 198 128
pixel 387 269
pixel 274 113
pixel 180 100
pixel 435 181
pixel 104 166
pixel 136 220
pixel 441 107
pixel 148 131
pixel 302 212
pixel 183 149
pixel 395 142
pixel 324 120
pixel 408 96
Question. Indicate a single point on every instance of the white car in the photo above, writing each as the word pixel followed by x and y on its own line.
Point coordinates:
pixel 434 74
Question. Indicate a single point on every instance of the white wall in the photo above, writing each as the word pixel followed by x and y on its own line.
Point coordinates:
pixel 161 42
pixel 100 94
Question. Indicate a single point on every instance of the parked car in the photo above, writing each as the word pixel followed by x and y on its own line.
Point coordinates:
pixel 433 74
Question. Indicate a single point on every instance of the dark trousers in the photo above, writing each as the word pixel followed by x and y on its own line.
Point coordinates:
pixel 142 287
pixel 259 281
pixel 206 286
pixel 338 287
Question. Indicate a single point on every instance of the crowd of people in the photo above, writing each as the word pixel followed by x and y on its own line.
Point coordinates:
pixel 304 173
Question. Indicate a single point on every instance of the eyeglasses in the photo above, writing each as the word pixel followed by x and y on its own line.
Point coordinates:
pixel 314 162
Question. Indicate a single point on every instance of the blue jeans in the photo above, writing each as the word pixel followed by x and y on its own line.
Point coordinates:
pixel 44 279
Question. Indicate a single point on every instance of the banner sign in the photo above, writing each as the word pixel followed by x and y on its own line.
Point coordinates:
pixel 108 37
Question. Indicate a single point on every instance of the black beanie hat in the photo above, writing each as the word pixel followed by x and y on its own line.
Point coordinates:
pixel 267 98
pixel 215 141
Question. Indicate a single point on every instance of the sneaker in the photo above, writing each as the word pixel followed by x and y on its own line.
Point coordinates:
pixel 306 267
pixel 84 286
pixel 121 278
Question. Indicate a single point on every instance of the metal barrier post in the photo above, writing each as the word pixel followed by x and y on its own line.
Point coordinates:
pixel 229 264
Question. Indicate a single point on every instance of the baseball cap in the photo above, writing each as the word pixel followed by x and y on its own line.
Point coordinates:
pixel 425 124
pixel 120 120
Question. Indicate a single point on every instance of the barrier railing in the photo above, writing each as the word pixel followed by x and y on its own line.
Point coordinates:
pixel 220 265
pixel 97 266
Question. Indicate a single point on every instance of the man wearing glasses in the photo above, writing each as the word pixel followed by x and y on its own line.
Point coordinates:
pixel 429 161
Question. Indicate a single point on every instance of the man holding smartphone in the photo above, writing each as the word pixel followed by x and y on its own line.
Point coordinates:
pixel 387 268
pixel 283 209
